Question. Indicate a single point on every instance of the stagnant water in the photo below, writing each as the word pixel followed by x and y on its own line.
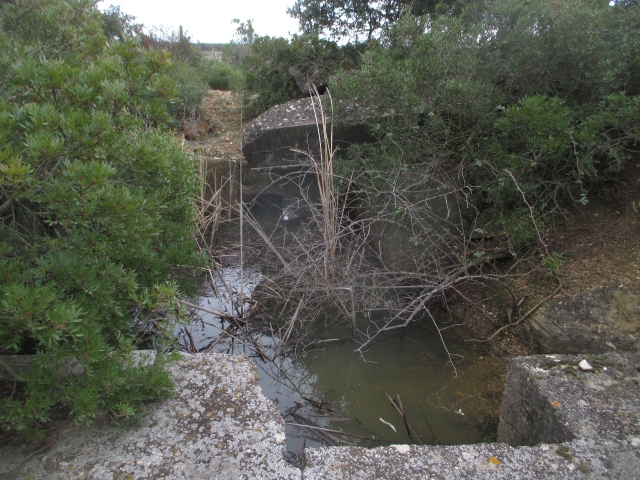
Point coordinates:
pixel 442 403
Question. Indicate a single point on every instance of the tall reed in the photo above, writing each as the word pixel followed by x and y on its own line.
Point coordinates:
pixel 328 221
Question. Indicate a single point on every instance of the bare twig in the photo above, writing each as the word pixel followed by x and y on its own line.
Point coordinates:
pixel 433 435
pixel 525 316
pixel 328 430
pixel 213 311
pixel 387 423
pixel 533 217
pixel 398 406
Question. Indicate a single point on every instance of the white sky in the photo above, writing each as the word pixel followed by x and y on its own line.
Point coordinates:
pixel 209 21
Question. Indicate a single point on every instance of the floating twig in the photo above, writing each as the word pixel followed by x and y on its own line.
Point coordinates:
pixel 398 406
pixel 324 436
pixel 193 344
pixel 215 312
pixel 434 440
pixel 387 423
pixel 321 405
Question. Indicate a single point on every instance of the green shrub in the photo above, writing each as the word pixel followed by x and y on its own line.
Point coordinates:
pixel 553 262
pixel 270 66
pixel 191 87
pixel 526 101
pixel 188 71
pixel 222 76
pixel 96 212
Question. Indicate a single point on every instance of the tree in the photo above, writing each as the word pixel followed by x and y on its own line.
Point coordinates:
pixel 279 70
pixel 96 212
pixel 359 19
pixel 119 25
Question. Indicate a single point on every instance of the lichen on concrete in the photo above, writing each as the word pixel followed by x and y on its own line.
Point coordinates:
pixel 219 425
pixel 288 135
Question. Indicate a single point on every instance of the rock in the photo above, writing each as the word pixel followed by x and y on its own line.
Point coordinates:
pixel 591 321
pixel 194 128
pixel 284 135
pixel 585 367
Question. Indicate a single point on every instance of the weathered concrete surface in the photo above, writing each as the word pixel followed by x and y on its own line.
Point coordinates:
pixel 600 320
pixel 282 136
pixel 485 461
pixel 219 426
pixel 549 399
pixel 223 176
pixel 596 414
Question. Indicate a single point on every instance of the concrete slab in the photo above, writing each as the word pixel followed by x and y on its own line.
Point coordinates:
pixel 286 134
pixel 219 425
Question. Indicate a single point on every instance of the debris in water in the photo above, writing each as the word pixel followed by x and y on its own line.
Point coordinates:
pixel 387 423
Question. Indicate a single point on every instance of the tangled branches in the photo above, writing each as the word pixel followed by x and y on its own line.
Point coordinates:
pixel 375 258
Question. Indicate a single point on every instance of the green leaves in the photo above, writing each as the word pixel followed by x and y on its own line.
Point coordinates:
pixel 96 212
pixel 536 87
pixel 276 68
pixel 542 122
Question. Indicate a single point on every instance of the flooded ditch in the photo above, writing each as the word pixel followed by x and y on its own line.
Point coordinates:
pixel 328 393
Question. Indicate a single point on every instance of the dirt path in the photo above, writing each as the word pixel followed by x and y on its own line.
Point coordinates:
pixel 225 120
pixel 601 242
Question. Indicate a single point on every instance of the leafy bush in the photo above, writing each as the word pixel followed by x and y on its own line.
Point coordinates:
pixel 191 87
pixel 222 76
pixel 359 18
pixel 188 70
pixel 273 64
pixel 515 99
pixel 96 211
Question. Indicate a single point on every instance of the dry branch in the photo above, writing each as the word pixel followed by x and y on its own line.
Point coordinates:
pixel 525 316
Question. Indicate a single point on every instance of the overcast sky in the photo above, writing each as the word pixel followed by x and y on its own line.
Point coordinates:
pixel 209 21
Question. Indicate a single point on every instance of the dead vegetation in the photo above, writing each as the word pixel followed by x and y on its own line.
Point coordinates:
pixel 379 266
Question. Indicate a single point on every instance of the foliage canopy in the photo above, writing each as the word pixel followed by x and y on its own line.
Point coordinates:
pixel 534 99
pixel 359 19
pixel 274 67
